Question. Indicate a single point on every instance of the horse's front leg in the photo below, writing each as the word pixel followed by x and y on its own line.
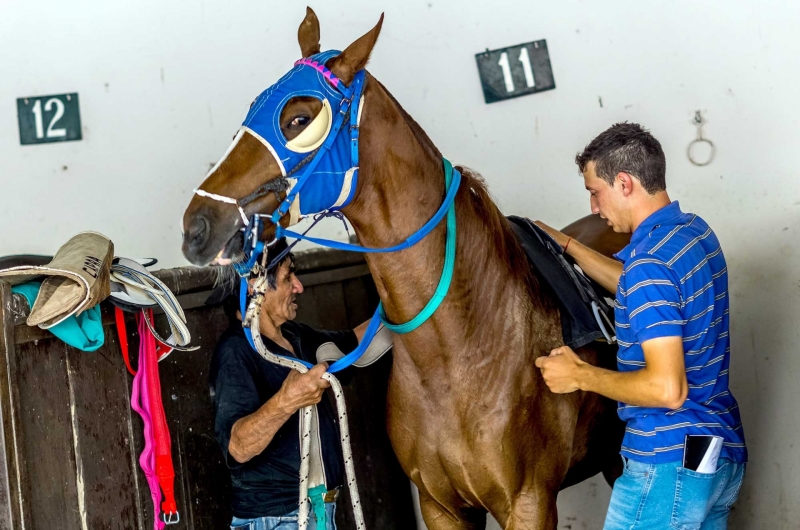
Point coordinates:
pixel 534 509
pixel 438 517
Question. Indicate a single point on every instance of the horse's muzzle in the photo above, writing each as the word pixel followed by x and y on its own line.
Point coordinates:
pixel 195 240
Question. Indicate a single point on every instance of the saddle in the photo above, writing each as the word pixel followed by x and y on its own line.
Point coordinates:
pixel 585 314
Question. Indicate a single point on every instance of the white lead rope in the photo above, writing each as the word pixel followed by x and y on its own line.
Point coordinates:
pixel 251 319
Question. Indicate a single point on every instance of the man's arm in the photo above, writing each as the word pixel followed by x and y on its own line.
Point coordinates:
pixel 361 329
pixel 252 434
pixel 661 383
pixel 603 270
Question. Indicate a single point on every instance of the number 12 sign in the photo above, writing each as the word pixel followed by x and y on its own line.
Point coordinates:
pixel 515 71
pixel 45 119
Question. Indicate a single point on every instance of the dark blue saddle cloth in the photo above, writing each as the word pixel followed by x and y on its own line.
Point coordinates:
pixel 579 299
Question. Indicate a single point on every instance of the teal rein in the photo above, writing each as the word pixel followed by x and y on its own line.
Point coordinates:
pixel 452 180
pixel 447 271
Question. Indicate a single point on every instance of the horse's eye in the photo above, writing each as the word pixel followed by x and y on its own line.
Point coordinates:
pixel 300 121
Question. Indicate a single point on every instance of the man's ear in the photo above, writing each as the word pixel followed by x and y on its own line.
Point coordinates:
pixel 626 181
pixel 308 34
pixel 354 58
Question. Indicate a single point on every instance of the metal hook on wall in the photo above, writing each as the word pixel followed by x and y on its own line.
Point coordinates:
pixel 698 121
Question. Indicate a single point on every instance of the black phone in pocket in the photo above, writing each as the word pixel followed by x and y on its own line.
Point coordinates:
pixel 701 452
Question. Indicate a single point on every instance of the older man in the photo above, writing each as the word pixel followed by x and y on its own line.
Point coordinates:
pixel 256 409
pixel 674 349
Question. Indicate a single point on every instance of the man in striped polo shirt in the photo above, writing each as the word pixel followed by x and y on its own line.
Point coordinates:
pixel 674 348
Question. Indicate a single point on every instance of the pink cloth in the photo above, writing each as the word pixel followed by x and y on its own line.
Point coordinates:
pixel 140 402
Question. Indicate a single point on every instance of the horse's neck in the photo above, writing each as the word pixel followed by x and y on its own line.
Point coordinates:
pixel 402 186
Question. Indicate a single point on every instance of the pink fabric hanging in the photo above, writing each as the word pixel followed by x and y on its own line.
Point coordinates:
pixel 141 402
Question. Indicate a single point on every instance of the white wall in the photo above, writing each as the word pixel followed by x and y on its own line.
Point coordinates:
pixel 164 85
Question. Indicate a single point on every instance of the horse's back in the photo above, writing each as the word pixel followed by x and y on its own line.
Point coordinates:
pixel 595 233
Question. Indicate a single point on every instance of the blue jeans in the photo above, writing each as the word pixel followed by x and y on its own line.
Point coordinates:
pixel 285 522
pixel 661 496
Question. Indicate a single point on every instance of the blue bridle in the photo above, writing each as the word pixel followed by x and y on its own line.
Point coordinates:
pixel 331 162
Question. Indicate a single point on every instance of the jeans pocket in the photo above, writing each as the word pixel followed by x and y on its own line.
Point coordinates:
pixel 248 525
pixel 738 480
pixel 634 468
pixel 694 497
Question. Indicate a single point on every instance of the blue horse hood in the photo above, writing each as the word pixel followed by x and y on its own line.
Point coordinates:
pixel 324 155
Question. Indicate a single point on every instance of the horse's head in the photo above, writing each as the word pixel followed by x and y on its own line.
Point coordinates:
pixel 295 154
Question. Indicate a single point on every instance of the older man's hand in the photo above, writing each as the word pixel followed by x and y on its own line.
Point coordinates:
pixel 301 390
pixel 561 370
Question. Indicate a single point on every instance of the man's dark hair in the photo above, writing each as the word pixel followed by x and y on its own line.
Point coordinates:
pixel 278 248
pixel 628 148
pixel 227 284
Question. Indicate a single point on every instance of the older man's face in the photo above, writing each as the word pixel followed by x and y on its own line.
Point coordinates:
pixel 279 303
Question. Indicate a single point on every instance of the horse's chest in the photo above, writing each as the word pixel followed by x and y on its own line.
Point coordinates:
pixel 447 434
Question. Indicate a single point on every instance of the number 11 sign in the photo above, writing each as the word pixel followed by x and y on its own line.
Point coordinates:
pixel 515 71
pixel 46 119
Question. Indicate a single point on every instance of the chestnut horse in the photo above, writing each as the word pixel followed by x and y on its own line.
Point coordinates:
pixel 469 416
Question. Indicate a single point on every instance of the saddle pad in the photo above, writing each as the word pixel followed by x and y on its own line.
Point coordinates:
pixel 573 291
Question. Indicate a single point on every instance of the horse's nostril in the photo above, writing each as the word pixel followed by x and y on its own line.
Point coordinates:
pixel 198 233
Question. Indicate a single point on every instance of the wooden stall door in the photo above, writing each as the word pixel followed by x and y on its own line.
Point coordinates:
pixel 70 443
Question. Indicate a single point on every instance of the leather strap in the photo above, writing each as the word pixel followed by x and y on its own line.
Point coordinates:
pixel 119 316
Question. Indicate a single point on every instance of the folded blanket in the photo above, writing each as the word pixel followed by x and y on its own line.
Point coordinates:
pixel 84 331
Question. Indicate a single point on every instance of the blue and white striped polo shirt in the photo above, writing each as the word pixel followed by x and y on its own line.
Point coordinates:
pixel 675 283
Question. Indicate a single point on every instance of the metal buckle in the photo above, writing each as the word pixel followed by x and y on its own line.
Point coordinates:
pixel 170 520
pixel 330 496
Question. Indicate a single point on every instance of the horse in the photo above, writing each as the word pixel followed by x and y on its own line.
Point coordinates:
pixel 468 414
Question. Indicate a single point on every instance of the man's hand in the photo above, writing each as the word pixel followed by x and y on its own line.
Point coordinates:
pixel 561 370
pixel 302 390
pixel 560 237
pixel 603 270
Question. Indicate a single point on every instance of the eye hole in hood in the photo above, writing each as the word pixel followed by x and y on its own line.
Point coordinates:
pixel 315 133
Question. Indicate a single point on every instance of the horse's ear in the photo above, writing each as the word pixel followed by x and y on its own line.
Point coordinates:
pixel 355 57
pixel 308 34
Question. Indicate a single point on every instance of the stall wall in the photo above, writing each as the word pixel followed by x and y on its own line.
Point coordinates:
pixel 164 85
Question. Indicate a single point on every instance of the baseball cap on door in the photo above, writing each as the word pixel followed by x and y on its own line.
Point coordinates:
pixel 76 279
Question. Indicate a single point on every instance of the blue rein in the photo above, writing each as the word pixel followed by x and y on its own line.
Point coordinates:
pixel 452 181
pixel 348 108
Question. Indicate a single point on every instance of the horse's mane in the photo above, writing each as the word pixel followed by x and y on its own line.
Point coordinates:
pixel 487 219
pixel 484 227
pixel 420 134
pixel 482 220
